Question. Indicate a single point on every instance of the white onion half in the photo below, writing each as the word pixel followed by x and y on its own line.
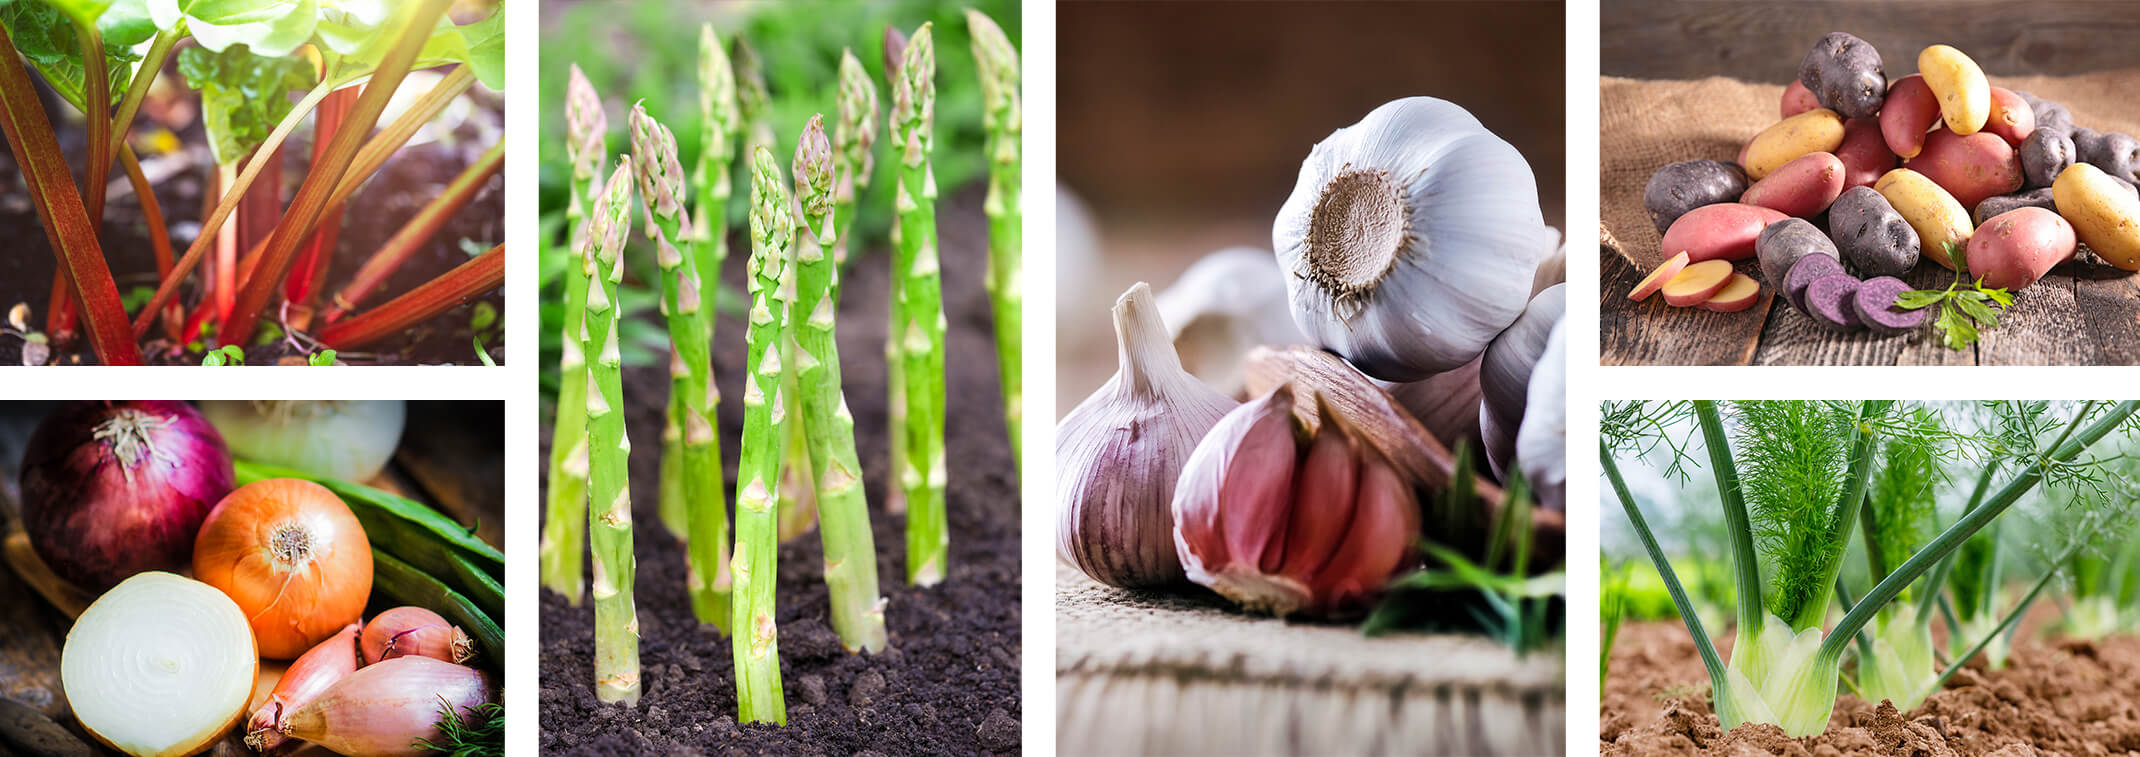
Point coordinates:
pixel 342 439
pixel 160 666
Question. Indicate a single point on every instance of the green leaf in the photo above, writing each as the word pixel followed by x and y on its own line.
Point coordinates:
pixel 1960 331
pixel 168 14
pixel 243 95
pixel 1974 307
pixel 322 358
pixel 126 23
pixel 46 36
pixel 1919 298
pixel 277 35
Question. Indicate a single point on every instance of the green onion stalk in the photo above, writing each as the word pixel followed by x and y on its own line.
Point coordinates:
pixel 683 304
pixel 562 535
pixel 1781 672
pixel 850 551
pixel 616 623
pixel 765 421
pixel 918 312
pixel 1005 121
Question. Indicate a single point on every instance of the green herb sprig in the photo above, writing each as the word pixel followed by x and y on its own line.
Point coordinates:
pixel 1966 307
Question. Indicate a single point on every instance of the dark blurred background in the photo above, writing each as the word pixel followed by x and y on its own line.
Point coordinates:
pixel 1763 42
pixel 1181 125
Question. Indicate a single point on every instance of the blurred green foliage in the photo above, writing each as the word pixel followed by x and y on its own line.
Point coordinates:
pixel 649 51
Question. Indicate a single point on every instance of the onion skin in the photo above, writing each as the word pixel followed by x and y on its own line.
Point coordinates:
pixel 383 709
pixel 310 676
pixel 407 631
pixel 291 554
pixel 96 518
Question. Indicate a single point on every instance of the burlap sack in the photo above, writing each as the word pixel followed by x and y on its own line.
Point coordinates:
pixel 1139 673
pixel 1644 125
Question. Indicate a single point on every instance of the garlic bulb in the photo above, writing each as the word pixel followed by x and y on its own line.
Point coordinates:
pixel 1224 305
pixel 1282 522
pixel 1411 239
pixel 1117 455
pixel 1541 444
pixel 1446 403
pixel 1505 376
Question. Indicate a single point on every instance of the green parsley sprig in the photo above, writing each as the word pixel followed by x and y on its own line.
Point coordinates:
pixel 1966 307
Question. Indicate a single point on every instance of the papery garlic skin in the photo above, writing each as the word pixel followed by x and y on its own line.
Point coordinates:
pixel 1118 454
pixel 1222 306
pixel 1505 374
pixel 1541 444
pixel 1411 239
pixel 1285 525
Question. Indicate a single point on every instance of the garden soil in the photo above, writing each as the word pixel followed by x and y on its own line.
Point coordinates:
pixel 2056 697
pixel 408 180
pixel 948 682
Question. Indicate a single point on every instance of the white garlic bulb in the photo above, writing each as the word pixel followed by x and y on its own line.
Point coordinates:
pixel 1411 239
pixel 1541 444
pixel 1117 455
pixel 1505 375
pixel 1225 304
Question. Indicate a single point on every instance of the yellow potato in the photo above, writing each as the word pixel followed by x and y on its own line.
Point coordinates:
pixel 1816 130
pixel 1938 218
pixel 1964 94
pixel 2105 215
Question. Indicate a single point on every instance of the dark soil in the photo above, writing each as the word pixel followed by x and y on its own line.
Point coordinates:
pixel 408 180
pixel 2054 697
pixel 947 684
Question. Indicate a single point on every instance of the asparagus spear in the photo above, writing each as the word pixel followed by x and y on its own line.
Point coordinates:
pixel 661 189
pixel 616 623
pixel 718 120
pixel 850 550
pixel 765 420
pixel 563 530
pixel 895 414
pixel 918 313
pixel 854 141
pixel 1005 121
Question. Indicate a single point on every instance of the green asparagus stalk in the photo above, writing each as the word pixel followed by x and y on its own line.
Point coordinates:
pixel 563 531
pixel 850 548
pixel 661 189
pixel 854 141
pixel 1005 121
pixel 765 420
pixel 895 414
pixel 918 313
pixel 709 249
pixel 616 623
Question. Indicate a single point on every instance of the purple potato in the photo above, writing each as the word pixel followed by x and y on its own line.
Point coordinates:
pixel 1783 243
pixel 1874 306
pixel 1828 301
pixel 1680 187
pixel 2117 154
pixel 1808 270
pixel 2050 114
pixel 1871 235
pixel 1991 207
pixel 2043 155
pixel 1844 73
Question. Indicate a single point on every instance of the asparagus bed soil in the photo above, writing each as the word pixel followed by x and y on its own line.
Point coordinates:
pixel 947 682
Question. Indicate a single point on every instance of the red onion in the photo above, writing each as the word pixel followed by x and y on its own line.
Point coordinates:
pixel 308 677
pixel 384 708
pixel 111 489
pixel 415 631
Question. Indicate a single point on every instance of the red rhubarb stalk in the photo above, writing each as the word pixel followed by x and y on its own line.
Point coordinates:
pixel 454 288
pixel 311 267
pixel 60 210
pixel 322 178
pixel 417 232
pixel 159 236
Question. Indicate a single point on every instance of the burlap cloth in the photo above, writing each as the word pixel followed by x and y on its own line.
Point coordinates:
pixel 1645 124
pixel 1140 673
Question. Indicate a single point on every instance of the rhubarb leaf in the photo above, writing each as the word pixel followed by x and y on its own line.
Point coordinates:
pixel 45 35
pixel 243 95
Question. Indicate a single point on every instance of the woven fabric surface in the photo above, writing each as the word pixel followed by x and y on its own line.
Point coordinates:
pixel 1645 124
pixel 1145 673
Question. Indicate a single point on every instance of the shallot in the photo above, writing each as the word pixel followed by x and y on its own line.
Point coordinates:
pixel 308 677
pixel 406 631
pixel 383 709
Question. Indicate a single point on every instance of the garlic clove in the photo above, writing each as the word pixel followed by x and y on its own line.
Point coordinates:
pixel 1322 500
pixel 1541 448
pixel 1505 374
pixel 1233 503
pixel 1385 520
pixel 1411 239
pixel 1119 453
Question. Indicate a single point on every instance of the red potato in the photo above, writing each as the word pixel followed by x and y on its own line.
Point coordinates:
pixel 1738 294
pixel 1797 99
pixel 1802 188
pixel 2015 248
pixel 1657 278
pixel 1910 110
pixel 1698 283
pixel 1864 153
pixel 1725 231
pixel 2011 118
pixel 1970 167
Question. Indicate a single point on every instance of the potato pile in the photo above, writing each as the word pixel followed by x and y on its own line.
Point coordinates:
pixel 1862 177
